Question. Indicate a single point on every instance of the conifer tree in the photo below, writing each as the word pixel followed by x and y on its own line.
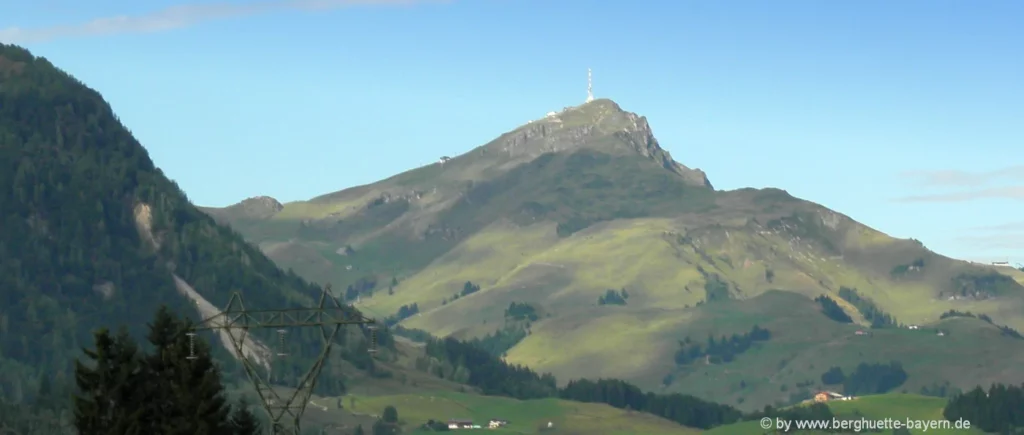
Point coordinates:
pixel 164 392
pixel 243 421
pixel 110 387
pixel 390 414
pixel 189 392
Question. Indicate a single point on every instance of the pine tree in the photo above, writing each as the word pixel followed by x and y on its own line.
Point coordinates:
pixel 190 392
pixel 390 414
pixel 243 421
pixel 111 395
pixel 126 392
pixel 161 409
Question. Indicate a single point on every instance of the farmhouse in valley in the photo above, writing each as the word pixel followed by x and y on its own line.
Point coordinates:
pixel 461 424
pixel 825 396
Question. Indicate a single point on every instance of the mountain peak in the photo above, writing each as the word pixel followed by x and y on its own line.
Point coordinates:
pixel 600 125
pixel 257 207
pixel 601 104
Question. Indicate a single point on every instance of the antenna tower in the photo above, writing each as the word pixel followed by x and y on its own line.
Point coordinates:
pixel 236 321
pixel 590 86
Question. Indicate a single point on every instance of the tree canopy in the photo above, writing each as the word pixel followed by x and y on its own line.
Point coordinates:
pixel 175 389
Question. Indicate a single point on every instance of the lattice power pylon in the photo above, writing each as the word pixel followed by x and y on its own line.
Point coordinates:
pixel 235 322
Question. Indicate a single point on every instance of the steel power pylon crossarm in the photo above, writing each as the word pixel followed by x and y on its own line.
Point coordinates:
pixel 329 316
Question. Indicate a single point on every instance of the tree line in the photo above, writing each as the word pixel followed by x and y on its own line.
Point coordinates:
pixel 1000 409
pixel 521 311
pixel 874 378
pixel 870 311
pixel 499 342
pixel 832 310
pixel 517 326
pixel 491 375
pixel 404 312
pixel 467 289
pixel 362 286
pixel 683 409
pixel 518 318
pixel 612 297
pixel 715 288
pixel 723 350
pixel 467 363
pixel 939 389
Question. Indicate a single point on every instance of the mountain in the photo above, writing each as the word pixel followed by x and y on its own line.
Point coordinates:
pixel 93 235
pixel 619 256
pixel 524 176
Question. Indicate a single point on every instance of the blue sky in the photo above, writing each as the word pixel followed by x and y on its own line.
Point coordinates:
pixel 907 116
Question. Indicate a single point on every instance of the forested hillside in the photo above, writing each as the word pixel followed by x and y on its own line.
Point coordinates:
pixel 92 234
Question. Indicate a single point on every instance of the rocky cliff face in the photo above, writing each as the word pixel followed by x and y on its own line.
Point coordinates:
pixel 642 139
pixel 257 207
pixel 601 125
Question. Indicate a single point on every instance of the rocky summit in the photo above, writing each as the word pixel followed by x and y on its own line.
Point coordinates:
pixel 600 125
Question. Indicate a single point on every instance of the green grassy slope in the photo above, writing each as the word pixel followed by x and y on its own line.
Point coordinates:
pixel 563 277
pixel 638 344
pixel 420 397
pixel 435 205
pixel 524 417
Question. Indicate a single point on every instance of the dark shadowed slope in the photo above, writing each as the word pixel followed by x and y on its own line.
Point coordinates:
pixel 93 234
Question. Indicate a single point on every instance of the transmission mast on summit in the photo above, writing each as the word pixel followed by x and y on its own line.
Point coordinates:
pixel 590 86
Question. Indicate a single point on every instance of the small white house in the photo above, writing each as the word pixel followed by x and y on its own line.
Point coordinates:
pixel 496 423
pixel 460 424
pixel 443 160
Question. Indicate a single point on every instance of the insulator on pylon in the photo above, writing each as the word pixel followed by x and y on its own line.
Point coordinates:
pixel 280 334
pixel 373 338
pixel 191 346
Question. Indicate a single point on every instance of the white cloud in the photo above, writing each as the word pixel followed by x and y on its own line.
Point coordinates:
pixel 177 17
pixel 1009 226
pixel 1009 192
pixel 953 177
pixel 989 242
